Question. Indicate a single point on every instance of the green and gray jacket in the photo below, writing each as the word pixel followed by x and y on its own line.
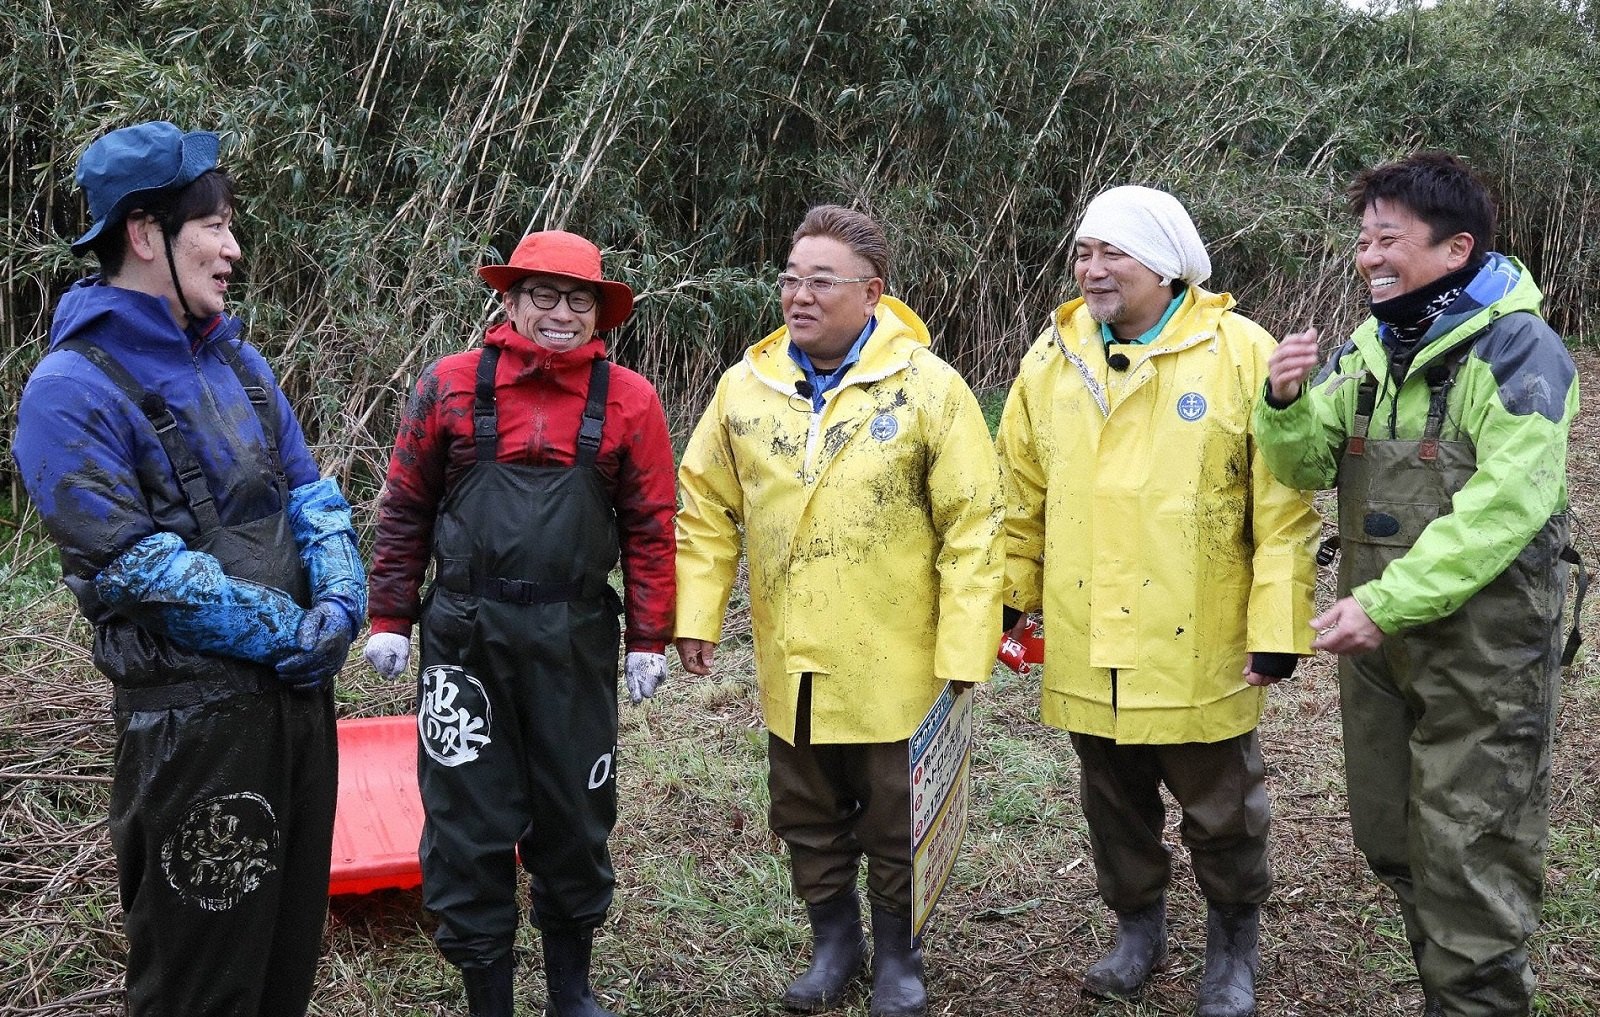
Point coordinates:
pixel 1513 399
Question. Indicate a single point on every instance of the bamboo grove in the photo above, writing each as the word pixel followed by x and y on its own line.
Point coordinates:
pixel 386 148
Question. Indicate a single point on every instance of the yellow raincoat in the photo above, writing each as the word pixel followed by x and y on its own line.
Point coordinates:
pixel 872 530
pixel 1165 549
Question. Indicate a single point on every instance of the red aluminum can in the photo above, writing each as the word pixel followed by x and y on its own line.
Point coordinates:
pixel 1013 654
pixel 1032 639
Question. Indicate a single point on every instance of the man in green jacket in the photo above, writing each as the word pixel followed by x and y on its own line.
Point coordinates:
pixel 1443 423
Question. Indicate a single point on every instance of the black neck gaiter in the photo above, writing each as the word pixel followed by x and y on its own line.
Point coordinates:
pixel 1410 315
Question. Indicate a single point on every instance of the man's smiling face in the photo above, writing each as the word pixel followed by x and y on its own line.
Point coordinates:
pixel 1397 253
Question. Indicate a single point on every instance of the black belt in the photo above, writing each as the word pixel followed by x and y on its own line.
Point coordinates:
pixel 230 681
pixel 523 591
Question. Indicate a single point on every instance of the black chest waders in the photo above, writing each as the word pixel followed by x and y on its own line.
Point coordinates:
pixel 226 779
pixel 1448 725
pixel 517 697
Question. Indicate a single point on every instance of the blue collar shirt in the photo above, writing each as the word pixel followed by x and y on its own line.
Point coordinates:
pixel 824 382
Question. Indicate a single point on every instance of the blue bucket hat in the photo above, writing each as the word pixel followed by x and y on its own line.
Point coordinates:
pixel 129 165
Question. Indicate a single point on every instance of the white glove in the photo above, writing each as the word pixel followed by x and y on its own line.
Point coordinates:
pixel 643 672
pixel 388 653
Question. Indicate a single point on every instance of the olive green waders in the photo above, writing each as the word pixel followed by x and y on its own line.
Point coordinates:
pixel 1447 725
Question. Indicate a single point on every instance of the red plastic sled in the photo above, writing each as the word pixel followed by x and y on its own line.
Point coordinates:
pixel 379 817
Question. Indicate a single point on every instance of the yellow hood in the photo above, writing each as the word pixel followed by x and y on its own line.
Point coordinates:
pixel 899 331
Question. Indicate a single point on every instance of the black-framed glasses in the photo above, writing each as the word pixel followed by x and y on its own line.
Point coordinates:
pixel 819 284
pixel 545 298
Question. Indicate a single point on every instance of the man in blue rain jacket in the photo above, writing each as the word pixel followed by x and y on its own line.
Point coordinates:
pixel 221 577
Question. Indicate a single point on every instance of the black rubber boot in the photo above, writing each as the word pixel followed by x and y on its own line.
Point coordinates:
pixel 1141 945
pixel 1430 1007
pixel 838 951
pixel 489 988
pixel 566 969
pixel 1228 987
pixel 897 989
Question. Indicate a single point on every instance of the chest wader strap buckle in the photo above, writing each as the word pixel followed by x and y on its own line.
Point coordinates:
pixel 266 412
pixel 1366 399
pixel 485 424
pixel 196 492
pixel 1570 555
pixel 594 413
pixel 1328 550
pixel 1440 378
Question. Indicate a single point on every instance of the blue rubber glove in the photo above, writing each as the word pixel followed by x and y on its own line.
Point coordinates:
pixel 319 517
pixel 324 638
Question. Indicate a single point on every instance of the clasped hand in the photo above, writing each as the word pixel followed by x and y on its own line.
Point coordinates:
pixel 324 641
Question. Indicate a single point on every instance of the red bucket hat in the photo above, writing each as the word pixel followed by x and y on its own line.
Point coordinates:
pixel 556 252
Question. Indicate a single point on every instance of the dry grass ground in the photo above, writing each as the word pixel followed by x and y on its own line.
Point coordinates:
pixel 704 924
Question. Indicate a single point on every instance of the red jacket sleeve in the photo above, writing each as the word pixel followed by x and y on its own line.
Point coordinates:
pixel 645 497
pixel 415 486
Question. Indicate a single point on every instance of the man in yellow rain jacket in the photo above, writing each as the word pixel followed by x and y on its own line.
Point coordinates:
pixel 857 466
pixel 1174 572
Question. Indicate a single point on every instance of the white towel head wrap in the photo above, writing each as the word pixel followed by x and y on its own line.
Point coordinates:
pixel 1151 225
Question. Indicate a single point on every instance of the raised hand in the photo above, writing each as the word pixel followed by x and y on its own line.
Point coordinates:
pixel 1291 364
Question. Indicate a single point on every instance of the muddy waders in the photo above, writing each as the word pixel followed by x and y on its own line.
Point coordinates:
pixel 225 779
pixel 1448 725
pixel 517 716
pixel 831 805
